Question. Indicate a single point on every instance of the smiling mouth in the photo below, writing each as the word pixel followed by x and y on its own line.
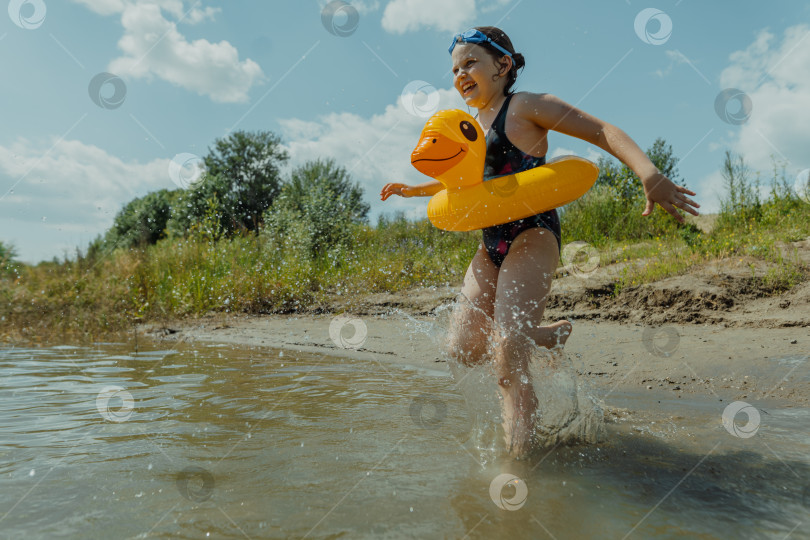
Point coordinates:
pixel 466 90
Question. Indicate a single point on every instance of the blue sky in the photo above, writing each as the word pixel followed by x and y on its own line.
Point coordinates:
pixel 194 71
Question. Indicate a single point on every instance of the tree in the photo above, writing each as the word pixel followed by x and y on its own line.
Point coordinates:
pixel 142 221
pixel 7 252
pixel 625 181
pixel 327 176
pixel 318 207
pixel 243 173
pixel 7 255
pixel 207 198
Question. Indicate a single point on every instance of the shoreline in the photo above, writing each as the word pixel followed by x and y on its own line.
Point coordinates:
pixel 673 361
pixel 715 332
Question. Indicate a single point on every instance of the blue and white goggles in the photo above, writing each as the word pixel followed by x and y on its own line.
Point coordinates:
pixel 476 36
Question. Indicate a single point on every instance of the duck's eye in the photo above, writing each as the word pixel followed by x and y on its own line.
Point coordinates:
pixel 434 141
pixel 468 130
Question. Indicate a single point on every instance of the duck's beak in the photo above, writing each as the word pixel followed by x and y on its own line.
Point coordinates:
pixel 436 154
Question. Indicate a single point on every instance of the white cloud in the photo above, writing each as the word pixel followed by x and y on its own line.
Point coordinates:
pixel 176 8
pixel 196 16
pixel 676 58
pixel 67 195
pixel 590 153
pixel 402 16
pixel 153 47
pixel 776 78
pixel 559 151
pixel 712 189
pixel 375 150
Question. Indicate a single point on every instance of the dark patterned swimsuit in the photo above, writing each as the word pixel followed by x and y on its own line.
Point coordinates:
pixel 504 158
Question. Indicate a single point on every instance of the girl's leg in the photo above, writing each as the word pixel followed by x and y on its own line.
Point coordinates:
pixel 471 321
pixel 522 290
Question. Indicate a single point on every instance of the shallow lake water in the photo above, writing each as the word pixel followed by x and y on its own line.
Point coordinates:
pixel 217 442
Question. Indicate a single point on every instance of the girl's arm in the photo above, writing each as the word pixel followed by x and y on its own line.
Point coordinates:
pixel 427 189
pixel 552 113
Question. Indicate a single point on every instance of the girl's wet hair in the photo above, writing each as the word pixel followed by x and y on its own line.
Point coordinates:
pixel 499 36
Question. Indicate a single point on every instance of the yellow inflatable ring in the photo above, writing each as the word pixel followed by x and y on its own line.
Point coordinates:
pixel 452 149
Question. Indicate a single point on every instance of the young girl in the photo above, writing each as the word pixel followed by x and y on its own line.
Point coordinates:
pixel 508 281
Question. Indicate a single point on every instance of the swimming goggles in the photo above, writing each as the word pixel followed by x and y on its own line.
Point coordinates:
pixel 476 36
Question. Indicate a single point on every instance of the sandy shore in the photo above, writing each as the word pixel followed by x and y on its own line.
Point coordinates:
pixel 714 333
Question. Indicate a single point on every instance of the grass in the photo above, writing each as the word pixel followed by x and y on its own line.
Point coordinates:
pixel 91 295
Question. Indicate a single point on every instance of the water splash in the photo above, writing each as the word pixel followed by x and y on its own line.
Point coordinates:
pixel 567 411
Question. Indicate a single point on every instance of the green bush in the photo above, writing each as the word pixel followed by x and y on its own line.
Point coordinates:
pixel 142 221
pixel 742 201
pixel 205 202
pixel 317 212
pixel 602 215
pixel 625 182
pixel 8 265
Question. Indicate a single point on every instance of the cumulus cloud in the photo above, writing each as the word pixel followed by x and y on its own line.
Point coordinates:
pixel 153 47
pixel 773 72
pixel 176 8
pixel 590 153
pixel 676 58
pixel 402 16
pixel 67 192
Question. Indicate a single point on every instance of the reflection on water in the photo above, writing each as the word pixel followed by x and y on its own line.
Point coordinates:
pixel 103 442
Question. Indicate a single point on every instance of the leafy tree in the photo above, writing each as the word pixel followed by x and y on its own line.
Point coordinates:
pixel 243 174
pixel 8 255
pixel 142 221
pixel 625 181
pixel 327 176
pixel 7 252
pixel 612 209
pixel 207 198
pixel 318 208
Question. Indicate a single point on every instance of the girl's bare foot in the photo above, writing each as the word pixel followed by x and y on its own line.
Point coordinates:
pixel 554 335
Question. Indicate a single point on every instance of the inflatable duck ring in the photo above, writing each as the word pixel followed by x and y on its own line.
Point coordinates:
pixel 452 149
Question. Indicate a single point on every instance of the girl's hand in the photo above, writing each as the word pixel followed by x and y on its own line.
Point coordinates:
pixel 394 189
pixel 660 189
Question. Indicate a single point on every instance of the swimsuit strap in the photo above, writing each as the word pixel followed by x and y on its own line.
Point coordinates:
pixel 502 156
pixel 499 125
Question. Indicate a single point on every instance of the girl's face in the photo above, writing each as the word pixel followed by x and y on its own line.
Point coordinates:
pixel 476 75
